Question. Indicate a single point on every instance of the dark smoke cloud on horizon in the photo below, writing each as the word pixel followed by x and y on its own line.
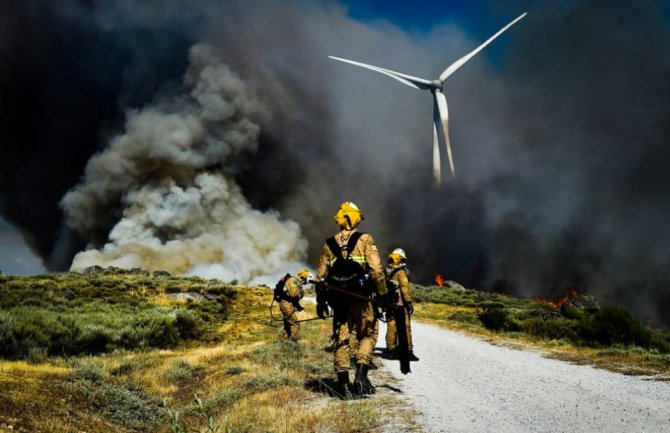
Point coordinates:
pixel 560 141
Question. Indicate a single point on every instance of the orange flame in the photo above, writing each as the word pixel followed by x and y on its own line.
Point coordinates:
pixel 439 280
pixel 572 293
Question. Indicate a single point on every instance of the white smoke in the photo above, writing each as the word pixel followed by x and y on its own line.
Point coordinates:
pixel 182 210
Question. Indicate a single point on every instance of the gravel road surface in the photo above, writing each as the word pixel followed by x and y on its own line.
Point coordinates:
pixel 464 385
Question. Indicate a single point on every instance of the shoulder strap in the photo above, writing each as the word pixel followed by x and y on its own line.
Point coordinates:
pixel 353 240
pixel 351 244
pixel 334 247
pixel 394 271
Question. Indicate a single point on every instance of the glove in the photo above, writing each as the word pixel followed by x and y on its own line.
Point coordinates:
pixel 410 308
pixel 322 310
pixel 298 307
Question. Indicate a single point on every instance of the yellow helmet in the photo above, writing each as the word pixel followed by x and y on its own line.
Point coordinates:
pixel 305 275
pixel 348 215
pixel 397 256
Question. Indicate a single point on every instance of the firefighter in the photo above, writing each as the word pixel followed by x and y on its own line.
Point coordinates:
pixel 350 261
pixel 399 298
pixel 289 295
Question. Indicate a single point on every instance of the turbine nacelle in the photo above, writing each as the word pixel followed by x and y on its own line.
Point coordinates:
pixel 440 110
pixel 436 85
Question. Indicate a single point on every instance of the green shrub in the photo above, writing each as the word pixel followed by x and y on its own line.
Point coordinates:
pixel 493 316
pixel 465 317
pixel 552 329
pixel 180 370
pixel 70 314
pixel 86 371
pixel 234 370
pixel 221 290
pixel 494 319
pixel 123 403
pixel 614 325
pixel 442 295
pixel 260 383
pixel 224 398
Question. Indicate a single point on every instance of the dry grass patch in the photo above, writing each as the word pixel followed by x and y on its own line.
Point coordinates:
pixel 33 399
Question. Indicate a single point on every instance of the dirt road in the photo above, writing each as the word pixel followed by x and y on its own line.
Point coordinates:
pixel 464 385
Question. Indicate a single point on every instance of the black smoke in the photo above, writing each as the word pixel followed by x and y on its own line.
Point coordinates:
pixel 560 136
pixel 64 83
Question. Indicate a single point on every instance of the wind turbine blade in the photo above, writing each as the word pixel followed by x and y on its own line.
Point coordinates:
pixel 416 82
pixel 437 169
pixel 463 60
pixel 441 124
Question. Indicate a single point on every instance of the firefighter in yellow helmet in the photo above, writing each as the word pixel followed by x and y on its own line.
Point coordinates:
pixel 400 297
pixel 350 261
pixel 289 295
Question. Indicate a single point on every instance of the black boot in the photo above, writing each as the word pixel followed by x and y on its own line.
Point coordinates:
pixel 343 385
pixel 362 384
pixel 412 356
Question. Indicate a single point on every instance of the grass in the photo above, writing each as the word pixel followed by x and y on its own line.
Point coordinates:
pixel 245 378
pixel 610 337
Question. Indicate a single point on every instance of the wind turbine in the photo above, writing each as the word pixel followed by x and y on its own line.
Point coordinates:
pixel 440 110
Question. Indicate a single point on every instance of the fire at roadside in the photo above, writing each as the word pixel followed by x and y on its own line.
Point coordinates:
pixel 571 298
pixel 575 318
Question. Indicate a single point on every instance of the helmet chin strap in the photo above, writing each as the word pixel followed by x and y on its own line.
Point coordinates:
pixel 348 223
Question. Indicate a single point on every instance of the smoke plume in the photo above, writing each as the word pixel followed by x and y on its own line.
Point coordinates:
pixel 170 174
pixel 559 129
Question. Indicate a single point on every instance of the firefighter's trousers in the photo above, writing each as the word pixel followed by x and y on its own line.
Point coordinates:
pixel 291 324
pixel 392 333
pixel 355 318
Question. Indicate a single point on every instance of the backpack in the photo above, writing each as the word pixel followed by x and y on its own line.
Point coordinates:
pixel 279 287
pixel 393 287
pixel 345 273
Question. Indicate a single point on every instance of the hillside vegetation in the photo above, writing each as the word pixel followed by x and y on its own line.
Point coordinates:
pixel 112 351
pixel 609 336
pixel 69 314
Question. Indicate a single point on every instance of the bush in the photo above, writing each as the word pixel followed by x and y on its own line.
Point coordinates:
pixel 234 370
pixel 260 383
pixel 616 326
pixel 180 370
pixel 552 329
pixel 87 372
pixel 122 403
pixel 494 317
pixel 465 317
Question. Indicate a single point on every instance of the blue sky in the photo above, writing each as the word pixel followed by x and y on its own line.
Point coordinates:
pixel 410 15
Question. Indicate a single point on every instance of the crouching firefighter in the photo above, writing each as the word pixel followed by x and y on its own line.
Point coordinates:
pixel 351 278
pixel 399 311
pixel 288 293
